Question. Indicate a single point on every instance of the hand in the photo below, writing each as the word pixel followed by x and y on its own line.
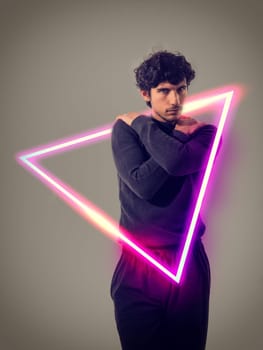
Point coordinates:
pixel 188 125
pixel 128 118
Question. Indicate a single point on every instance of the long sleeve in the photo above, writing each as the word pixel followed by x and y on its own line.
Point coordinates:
pixel 141 173
pixel 179 154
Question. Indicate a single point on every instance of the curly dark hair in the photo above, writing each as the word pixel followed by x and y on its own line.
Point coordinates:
pixel 163 66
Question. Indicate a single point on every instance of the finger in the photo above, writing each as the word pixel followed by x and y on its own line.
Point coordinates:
pixel 186 121
pixel 121 116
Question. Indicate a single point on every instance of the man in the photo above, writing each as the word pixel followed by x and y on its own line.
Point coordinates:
pixel 159 160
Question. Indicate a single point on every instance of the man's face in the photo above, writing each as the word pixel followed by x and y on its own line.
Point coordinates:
pixel 167 100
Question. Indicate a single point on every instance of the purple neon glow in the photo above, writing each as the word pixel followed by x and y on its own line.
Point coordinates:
pixel 29 159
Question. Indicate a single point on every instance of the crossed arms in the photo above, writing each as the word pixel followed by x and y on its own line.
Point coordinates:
pixel 145 156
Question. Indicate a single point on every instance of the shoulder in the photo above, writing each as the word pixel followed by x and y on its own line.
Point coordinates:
pixel 205 134
pixel 120 128
pixel 206 129
pixel 123 135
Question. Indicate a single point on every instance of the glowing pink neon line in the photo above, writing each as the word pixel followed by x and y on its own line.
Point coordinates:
pixel 95 216
pixel 71 143
pixel 28 159
pixel 228 98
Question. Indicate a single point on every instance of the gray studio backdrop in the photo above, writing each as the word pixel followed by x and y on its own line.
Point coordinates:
pixel 67 67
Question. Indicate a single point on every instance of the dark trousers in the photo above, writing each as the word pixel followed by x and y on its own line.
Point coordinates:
pixel 154 313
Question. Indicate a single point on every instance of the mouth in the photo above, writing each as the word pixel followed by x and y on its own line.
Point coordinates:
pixel 174 110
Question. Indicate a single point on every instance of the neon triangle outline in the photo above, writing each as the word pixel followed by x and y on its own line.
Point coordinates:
pixel 29 160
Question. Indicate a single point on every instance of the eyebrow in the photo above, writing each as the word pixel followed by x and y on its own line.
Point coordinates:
pixel 162 88
pixel 170 88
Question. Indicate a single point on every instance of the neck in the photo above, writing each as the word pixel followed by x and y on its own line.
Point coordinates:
pixel 161 119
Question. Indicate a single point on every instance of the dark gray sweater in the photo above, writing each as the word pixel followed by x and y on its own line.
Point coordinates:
pixel 159 171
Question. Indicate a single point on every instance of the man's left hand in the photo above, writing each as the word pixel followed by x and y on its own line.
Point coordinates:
pixel 128 118
pixel 188 125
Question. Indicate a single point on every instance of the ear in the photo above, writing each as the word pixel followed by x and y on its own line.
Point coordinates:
pixel 145 95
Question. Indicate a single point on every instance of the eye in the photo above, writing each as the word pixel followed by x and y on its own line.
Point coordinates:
pixel 164 90
pixel 182 89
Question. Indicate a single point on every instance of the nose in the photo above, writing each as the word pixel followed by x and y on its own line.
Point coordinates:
pixel 174 98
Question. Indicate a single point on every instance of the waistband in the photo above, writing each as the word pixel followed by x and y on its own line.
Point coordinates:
pixel 171 247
